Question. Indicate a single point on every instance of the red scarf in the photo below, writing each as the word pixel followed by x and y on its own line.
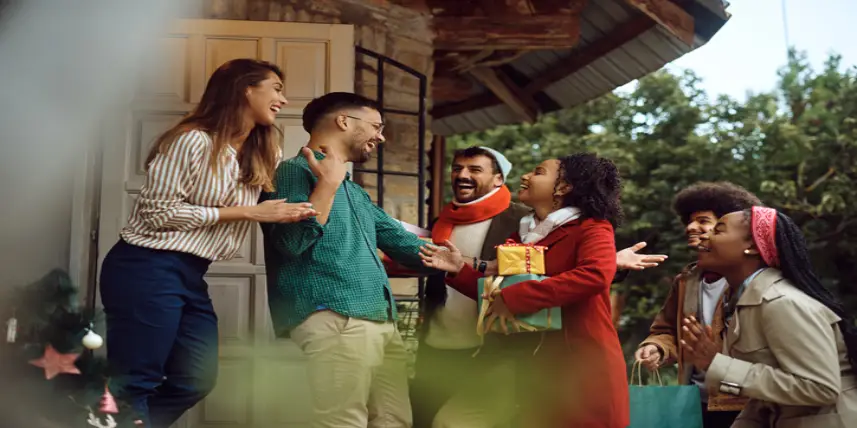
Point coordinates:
pixel 453 215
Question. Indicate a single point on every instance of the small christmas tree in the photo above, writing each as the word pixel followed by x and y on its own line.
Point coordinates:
pixel 50 378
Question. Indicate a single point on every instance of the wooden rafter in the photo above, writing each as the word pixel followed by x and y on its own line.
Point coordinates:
pixel 669 15
pixel 578 60
pixel 456 33
pixel 493 7
pixel 501 86
pixel 450 82
pixel 451 87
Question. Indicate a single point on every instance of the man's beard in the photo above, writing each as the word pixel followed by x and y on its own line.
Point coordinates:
pixel 359 153
pixel 363 157
pixel 476 191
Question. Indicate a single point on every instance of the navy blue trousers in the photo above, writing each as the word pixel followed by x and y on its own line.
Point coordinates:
pixel 161 330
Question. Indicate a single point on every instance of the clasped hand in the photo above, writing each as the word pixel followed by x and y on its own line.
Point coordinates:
pixel 699 344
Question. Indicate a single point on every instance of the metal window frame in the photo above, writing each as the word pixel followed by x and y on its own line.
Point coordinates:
pixel 420 113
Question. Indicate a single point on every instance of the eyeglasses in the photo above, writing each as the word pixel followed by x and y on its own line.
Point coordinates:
pixel 378 126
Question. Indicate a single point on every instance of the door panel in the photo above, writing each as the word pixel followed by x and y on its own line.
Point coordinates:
pixel 261 381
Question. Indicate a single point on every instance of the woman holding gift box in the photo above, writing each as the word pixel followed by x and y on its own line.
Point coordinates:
pixel 577 377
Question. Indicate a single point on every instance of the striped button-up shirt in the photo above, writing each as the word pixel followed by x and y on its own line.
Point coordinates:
pixel 177 208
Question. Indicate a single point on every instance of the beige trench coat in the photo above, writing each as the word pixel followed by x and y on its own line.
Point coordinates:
pixel 784 350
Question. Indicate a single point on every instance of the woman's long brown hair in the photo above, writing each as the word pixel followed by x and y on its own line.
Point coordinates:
pixel 220 114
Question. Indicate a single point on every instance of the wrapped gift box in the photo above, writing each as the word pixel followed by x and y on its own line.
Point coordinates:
pixel 520 259
pixel 544 320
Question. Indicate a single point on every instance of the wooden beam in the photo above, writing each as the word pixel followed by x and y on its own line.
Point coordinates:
pixel 492 8
pixel 501 86
pixel 437 174
pixel 578 60
pixel 670 16
pixel 451 88
pixel 556 6
pixel 456 33
pixel 417 5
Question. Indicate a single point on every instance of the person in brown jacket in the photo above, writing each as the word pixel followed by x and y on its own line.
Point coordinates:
pixel 696 293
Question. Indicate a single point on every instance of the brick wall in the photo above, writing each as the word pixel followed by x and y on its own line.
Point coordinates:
pixel 400 33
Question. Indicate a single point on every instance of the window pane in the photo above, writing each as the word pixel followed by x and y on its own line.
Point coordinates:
pixel 401 148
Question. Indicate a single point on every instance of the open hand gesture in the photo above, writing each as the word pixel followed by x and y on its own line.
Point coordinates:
pixel 699 343
pixel 447 258
pixel 331 169
pixel 628 259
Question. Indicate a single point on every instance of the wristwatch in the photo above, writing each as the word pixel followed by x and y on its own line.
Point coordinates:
pixel 482 266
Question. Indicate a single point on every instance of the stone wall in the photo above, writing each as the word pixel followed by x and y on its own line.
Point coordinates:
pixel 397 32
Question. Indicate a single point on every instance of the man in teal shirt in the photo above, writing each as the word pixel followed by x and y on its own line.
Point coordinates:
pixel 327 286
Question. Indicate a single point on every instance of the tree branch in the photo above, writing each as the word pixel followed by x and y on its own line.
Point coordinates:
pixel 830 173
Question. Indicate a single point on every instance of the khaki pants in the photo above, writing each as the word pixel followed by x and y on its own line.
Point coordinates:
pixel 357 372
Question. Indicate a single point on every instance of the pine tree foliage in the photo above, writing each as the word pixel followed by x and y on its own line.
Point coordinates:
pixel 49 312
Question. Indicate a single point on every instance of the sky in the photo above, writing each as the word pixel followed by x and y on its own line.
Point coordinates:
pixel 747 52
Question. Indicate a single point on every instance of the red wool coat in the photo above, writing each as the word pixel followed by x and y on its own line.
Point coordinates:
pixel 586 373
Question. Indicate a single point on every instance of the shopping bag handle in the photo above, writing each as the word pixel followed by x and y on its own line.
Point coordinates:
pixel 636 367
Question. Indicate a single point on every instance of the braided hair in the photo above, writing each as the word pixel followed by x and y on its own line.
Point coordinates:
pixel 595 186
pixel 797 268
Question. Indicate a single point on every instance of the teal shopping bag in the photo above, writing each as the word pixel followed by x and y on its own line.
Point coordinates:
pixel 658 406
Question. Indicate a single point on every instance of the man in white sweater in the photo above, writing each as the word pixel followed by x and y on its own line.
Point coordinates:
pixel 481 216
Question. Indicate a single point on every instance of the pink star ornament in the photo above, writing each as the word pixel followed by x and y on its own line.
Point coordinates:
pixel 55 363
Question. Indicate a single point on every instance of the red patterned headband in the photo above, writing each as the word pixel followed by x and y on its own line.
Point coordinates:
pixel 764 227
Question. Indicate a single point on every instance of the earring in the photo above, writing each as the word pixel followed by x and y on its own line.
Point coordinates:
pixel 747 252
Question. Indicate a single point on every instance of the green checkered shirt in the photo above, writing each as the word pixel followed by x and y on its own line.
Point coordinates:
pixel 333 266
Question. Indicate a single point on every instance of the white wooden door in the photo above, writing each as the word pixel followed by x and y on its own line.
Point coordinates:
pixel 261 380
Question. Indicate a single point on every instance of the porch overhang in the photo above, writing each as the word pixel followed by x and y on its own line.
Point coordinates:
pixel 508 61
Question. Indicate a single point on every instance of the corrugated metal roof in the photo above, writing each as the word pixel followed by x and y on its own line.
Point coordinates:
pixel 646 53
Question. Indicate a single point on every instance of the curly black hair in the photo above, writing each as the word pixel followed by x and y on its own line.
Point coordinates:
pixel 595 186
pixel 796 267
pixel 721 197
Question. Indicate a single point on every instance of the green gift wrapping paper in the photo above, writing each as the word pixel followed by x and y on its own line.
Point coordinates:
pixel 544 320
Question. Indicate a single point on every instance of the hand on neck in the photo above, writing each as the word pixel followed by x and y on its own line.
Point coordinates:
pixel 330 145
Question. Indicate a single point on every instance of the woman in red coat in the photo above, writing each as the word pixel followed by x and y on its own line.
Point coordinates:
pixel 577 376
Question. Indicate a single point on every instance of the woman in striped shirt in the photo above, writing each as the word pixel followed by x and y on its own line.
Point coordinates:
pixel 204 178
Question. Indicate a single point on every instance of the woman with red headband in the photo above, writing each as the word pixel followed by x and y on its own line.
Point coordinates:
pixel 789 344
